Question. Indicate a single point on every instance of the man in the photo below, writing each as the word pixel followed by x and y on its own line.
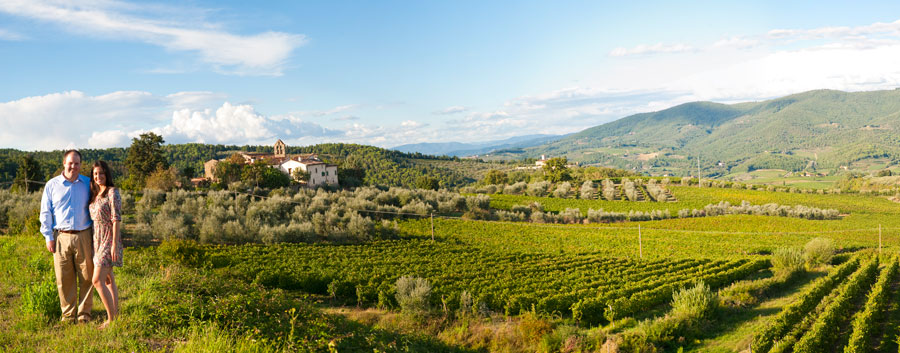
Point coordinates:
pixel 67 227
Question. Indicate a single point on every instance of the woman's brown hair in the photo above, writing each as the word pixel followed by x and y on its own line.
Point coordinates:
pixel 95 188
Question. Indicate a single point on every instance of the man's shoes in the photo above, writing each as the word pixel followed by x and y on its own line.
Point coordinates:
pixel 84 319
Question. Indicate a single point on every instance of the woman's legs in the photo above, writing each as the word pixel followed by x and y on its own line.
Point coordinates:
pixel 111 285
pixel 101 272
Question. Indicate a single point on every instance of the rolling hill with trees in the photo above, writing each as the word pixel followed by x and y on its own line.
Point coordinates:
pixel 816 131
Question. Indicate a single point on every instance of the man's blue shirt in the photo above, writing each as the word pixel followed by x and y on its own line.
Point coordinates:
pixel 64 205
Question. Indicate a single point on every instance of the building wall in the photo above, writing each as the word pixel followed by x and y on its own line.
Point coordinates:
pixel 331 177
pixel 209 169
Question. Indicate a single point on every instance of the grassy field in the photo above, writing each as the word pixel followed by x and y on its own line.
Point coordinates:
pixel 696 198
pixel 776 177
pixel 532 286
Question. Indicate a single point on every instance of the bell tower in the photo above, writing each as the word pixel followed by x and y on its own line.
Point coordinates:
pixel 280 148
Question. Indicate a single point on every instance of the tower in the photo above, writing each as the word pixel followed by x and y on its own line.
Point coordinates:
pixel 280 148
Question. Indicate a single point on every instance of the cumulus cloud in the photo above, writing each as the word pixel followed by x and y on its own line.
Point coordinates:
pixel 75 119
pixel 657 48
pixel 258 54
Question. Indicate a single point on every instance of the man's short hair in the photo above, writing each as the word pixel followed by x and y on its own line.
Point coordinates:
pixel 70 152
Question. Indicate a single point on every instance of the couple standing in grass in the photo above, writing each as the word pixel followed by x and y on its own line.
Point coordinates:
pixel 80 219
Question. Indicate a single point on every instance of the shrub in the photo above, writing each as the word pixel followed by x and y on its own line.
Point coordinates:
pixel 41 298
pixel 413 295
pixel 185 252
pixel 478 202
pixel 538 188
pixel 571 215
pixel 694 303
pixel 562 190
pixel 588 191
pixel 466 303
pixel 818 252
pixel 786 261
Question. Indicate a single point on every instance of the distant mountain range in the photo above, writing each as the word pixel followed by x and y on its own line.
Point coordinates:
pixel 460 149
pixel 822 130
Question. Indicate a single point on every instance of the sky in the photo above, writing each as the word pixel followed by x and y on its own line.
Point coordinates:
pixel 97 73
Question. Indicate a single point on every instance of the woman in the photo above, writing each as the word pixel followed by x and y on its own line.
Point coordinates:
pixel 106 212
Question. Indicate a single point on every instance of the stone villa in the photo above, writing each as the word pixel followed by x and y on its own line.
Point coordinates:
pixel 319 172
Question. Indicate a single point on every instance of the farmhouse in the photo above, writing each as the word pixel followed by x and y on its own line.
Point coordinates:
pixel 318 172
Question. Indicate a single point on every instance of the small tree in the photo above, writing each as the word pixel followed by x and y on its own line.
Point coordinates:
pixel 495 177
pixel 555 170
pixel 28 172
pixel 230 170
pixel 300 175
pixel 588 191
pixel 145 156
pixel 162 179
pixel 254 173
pixel 426 182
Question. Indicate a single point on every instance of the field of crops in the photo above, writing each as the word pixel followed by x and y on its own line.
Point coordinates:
pixel 609 286
pixel 503 281
pixel 846 311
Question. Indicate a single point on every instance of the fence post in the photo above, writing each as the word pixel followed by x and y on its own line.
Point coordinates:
pixel 432 226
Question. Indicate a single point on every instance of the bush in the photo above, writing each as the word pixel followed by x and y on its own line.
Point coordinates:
pixel 185 252
pixel 562 190
pixel 588 191
pixel 694 303
pixel 786 261
pixel 413 295
pixel 818 252
pixel 41 298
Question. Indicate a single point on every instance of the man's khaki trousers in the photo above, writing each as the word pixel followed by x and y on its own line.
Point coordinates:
pixel 74 258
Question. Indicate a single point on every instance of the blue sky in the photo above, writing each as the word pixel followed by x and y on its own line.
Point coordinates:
pixel 95 73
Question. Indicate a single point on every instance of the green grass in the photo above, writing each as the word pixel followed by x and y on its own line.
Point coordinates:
pixel 169 307
pixel 697 198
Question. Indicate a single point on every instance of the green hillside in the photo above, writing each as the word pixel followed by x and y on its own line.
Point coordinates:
pixel 816 131
pixel 357 164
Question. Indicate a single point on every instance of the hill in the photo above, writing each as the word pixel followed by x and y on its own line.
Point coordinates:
pixel 818 131
pixel 357 164
pixel 461 149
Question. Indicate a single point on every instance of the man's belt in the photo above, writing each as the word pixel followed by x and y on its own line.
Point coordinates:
pixel 72 231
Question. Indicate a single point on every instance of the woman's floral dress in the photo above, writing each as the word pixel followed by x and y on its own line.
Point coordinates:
pixel 104 211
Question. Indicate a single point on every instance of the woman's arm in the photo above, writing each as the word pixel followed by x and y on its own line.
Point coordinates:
pixel 115 218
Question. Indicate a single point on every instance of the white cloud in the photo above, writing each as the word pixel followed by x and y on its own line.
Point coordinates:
pixel 75 119
pixel 452 110
pixel 10 35
pixel 738 42
pixel 259 54
pixel 109 138
pixel 345 118
pixel 195 100
pixel 412 124
pixel 657 48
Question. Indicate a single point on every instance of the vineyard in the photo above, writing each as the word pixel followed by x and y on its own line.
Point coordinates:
pixel 370 269
pixel 841 312
pixel 505 282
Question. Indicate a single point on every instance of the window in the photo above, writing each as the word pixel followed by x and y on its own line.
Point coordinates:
pixel 323 173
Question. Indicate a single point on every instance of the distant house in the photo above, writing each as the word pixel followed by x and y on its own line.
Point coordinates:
pixel 319 172
pixel 541 162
